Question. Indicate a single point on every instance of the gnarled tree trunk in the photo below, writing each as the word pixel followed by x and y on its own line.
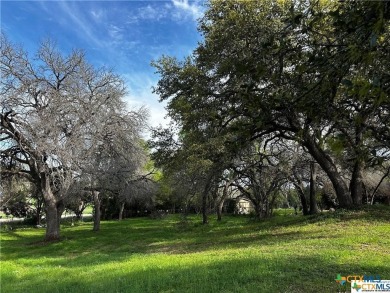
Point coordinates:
pixel 327 164
pixel 53 214
pixel 301 193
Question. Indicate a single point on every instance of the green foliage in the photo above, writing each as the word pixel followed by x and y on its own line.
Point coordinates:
pixel 293 198
pixel 281 254
pixel 314 72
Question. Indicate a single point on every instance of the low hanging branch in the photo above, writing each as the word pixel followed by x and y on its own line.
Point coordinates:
pixel 378 185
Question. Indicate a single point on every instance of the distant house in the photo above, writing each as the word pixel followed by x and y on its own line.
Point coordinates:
pixel 243 206
pixel 238 204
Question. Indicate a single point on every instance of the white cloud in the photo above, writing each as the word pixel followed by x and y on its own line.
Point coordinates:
pixel 176 10
pixel 152 13
pixel 140 94
pixel 157 112
pixel 81 26
pixel 97 15
pixel 195 10
pixel 115 32
pixel 132 19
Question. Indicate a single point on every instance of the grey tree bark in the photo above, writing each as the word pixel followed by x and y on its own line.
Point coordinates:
pixel 327 164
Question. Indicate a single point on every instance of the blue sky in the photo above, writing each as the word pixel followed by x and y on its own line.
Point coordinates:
pixel 123 35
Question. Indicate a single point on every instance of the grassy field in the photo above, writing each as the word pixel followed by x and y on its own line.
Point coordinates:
pixel 287 253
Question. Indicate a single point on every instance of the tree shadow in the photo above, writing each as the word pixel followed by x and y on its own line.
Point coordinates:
pixel 240 274
pixel 121 242
pixel 118 240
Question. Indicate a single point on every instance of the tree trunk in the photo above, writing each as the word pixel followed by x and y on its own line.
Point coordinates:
pixel 39 211
pixel 222 199
pixel 204 199
pixel 60 210
pixel 121 209
pixel 258 211
pixel 52 224
pixel 78 215
pixel 219 209
pixel 96 215
pixel 302 197
pixel 357 185
pixel 38 215
pixel 80 210
pixel 204 206
pixel 326 163
pixel 39 205
pixel 271 205
pixel 313 199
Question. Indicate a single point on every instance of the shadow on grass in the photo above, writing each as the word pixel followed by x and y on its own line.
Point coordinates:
pixel 239 274
pixel 144 255
pixel 118 240
pixel 170 235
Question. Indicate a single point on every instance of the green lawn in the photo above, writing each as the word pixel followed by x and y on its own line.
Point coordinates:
pixel 287 253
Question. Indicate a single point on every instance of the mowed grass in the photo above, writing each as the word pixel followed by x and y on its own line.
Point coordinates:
pixel 287 253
